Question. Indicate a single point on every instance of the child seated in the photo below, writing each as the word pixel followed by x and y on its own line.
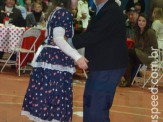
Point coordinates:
pixel 36 17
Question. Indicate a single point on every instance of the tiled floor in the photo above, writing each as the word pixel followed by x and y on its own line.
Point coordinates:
pixel 132 104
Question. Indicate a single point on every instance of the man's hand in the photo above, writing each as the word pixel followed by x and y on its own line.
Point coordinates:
pixel 82 63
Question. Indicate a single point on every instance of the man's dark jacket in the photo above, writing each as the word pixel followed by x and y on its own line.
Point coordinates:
pixel 16 17
pixel 105 39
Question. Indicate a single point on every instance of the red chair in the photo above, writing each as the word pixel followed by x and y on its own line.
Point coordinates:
pixel 26 44
pixel 32 32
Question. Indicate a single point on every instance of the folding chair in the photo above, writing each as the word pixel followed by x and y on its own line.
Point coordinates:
pixel 160 65
pixel 32 32
pixel 143 67
pixel 160 75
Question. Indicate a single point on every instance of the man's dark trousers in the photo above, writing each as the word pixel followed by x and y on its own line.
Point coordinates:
pixel 99 93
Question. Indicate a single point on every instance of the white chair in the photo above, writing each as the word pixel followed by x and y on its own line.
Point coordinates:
pixel 141 67
pixel 144 68
pixel 160 66
pixel 32 32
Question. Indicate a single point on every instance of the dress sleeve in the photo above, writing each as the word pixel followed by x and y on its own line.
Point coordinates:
pixel 63 28
pixel 60 41
pixel 63 18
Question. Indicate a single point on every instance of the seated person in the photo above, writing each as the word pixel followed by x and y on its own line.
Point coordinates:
pixel 83 13
pixel 92 7
pixel 14 15
pixel 131 3
pixel 21 2
pixel 157 25
pixel 28 5
pixel 36 17
pixel 22 9
pixel 138 7
pixel 131 21
pixel 144 39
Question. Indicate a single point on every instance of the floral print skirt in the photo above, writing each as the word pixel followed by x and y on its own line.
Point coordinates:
pixel 49 95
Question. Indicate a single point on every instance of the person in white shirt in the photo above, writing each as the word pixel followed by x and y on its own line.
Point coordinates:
pixel 157 25
pixel 83 12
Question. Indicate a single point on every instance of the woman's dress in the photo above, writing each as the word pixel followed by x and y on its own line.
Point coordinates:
pixel 49 94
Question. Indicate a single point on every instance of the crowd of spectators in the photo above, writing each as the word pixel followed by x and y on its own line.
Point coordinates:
pixel 145 29
pixel 24 13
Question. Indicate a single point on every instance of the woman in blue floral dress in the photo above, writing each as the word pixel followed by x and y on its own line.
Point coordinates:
pixel 49 94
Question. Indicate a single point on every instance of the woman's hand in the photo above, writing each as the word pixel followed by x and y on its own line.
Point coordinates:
pixel 82 63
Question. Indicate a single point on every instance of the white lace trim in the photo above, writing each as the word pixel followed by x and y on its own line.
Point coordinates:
pixel 34 118
pixel 38 52
pixel 56 67
pixel 50 66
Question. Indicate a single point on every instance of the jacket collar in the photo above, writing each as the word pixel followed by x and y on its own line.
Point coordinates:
pixel 102 9
pixel 98 7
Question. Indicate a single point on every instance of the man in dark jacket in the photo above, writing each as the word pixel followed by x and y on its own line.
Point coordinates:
pixel 106 50
pixel 14 14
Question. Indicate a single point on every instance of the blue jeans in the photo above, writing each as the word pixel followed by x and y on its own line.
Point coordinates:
pixel 99 93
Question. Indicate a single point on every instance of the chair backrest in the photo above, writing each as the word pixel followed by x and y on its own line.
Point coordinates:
pixel 29 43
pixel 32 32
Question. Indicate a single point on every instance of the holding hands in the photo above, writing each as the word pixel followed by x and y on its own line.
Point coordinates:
pixel 82 63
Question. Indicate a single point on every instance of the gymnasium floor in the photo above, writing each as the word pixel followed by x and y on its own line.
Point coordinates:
pixel 131 104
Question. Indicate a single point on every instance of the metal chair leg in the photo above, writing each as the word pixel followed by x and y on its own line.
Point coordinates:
pixel 85 74
pixel 19 65
pixel 136 74
pixel 145 82
pixel 7 61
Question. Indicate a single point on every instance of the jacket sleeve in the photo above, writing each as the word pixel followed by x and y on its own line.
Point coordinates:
pixel 19 20
pixel 2 15
pixel 105 22
pixel 28 23
pixel 153 38
pixel 30 20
